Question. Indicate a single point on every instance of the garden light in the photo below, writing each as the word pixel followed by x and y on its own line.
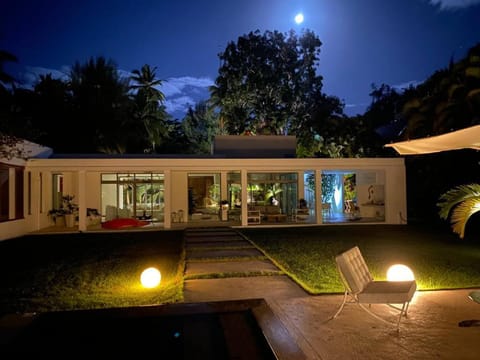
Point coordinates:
pixel 399 272
pixel 150 277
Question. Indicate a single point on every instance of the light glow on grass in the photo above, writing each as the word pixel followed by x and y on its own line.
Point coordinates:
pixel 399 272
pixel 150 277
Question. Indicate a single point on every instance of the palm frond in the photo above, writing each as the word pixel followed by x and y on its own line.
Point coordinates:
pixel 455 196
pixel 462 212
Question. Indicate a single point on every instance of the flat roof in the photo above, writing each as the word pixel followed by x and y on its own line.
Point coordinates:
pixel 257 146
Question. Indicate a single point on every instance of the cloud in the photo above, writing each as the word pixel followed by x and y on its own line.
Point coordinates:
pixel 454 4
pixel 29 78
pixel 352 109
pixel 183 92
pixel 179 104
pixel 406 85
pixel 180 92
pixel 177 85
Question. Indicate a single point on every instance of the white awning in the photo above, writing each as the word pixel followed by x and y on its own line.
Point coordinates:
pixel 468 138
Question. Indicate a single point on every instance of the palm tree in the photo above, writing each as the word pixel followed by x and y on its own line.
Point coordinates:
pixel 145 81
pixel 149 101
pixel 460 203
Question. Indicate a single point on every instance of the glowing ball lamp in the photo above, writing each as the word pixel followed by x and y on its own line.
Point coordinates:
pixel 150 277
pixel 399 272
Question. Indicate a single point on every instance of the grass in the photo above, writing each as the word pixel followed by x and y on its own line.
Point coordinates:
pixel 100 270
pixel 87 271
pixel 438 258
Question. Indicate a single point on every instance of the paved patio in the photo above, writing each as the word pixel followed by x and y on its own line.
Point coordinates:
pixel 431 330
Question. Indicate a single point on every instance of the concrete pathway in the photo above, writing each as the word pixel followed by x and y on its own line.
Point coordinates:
pixel 245 271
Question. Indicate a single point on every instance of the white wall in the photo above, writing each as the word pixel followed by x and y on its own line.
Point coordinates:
pixel 179 194
pixel 395 196
pixel 93 190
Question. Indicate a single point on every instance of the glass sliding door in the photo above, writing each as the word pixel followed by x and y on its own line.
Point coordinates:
pixel 135 195
pixel 234 184
pixel 148 196
pixel 204 196
pixel 356 195
pixel 275 195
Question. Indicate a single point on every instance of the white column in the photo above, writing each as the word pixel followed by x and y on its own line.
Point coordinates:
pixel 82 202
pixel 35 190
pixel 318 197
pixel 167 199
pixel 223 186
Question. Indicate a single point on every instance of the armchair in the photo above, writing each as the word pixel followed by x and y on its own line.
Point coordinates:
pixel 363 289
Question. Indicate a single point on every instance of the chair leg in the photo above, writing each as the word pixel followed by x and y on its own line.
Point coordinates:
pixel 403 311
pixel 406 309
pixel 341 306
pixel 373 314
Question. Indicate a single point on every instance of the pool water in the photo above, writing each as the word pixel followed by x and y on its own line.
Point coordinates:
pixel 188 331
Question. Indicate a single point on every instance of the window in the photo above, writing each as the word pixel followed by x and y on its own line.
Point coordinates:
pixel 234 190
pixel 273 188
pixel 356 195
pixel 139 195
pixel 19 195
pixel 204 194
pixel 6 177
pixel 40 176
pixel 29 195
pixel 57 191
pixel 4 192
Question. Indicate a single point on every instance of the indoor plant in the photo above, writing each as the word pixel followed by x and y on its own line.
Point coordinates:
pixel 67 211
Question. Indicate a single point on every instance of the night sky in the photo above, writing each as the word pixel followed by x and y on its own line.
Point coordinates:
pixel 396 42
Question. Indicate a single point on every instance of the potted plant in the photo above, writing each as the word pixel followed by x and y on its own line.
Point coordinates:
pixel 58 216
pixel 66 214
pixel 71 210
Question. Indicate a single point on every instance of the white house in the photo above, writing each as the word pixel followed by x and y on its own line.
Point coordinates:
pixel 263 188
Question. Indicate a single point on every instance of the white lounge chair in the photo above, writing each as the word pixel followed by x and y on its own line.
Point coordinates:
pixel 362 289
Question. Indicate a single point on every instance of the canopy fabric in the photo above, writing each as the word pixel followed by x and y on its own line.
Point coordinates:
pixel 468 138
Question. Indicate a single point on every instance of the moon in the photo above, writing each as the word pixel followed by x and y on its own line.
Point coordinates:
pixel 299 18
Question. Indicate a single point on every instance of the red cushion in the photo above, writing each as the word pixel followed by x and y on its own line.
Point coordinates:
pixel 123 223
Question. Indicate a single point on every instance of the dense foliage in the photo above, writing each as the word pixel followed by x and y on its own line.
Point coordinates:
pixel 94 109
pixel 268 83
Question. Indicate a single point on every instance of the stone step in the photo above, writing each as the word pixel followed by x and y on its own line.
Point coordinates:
pixel 206 268
pixel 222 253
pixel 219 244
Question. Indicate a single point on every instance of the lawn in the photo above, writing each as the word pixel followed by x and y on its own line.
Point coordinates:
pixel 101 270
pixel 438 258
pixel 87 271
